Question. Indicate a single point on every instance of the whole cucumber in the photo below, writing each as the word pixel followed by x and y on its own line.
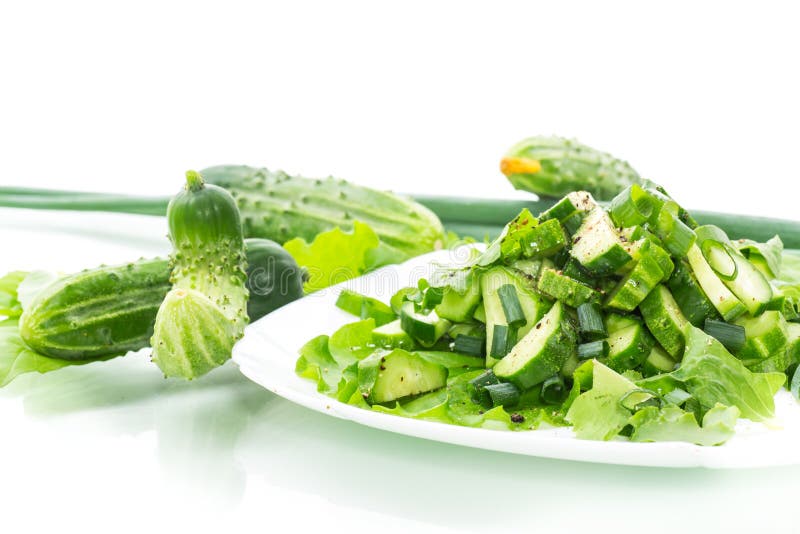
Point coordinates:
pixel 205 311
pixel 110 310
pixel 280 207
pixel 554 166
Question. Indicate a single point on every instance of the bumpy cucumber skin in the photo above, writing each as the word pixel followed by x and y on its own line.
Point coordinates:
pixel 208 281
pixel 566 166
pixel 277 206
pixel 97 313
pixel 111 310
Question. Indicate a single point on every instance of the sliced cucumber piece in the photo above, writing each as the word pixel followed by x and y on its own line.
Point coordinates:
pixel 532 304
pixel 542 352
pixel 691 299
pixel 365 307
pixel 425 328
pixel 774 364
pixel 628 348
pixel 451 360
pixel 545 240
pixel 459 307
pixel 615 322
pixel 391 335
pixel 480 313
pixel 565 289
pixel 658 362
pixel 726 303
pixel 575 203
pixel 749 284
pixel 597 244
pixel 665 320
pixel 793 343
pixel 386 376
pixel 766 336
pixel 636 285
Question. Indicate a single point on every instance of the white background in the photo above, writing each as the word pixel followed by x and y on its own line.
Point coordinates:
pixel 413 96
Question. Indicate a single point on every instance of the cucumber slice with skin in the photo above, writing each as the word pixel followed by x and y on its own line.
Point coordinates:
pixel 425 328
pixel 565 289
pixel 628 348
pixel 636 285
pixel 385 376
pixel 691 299
pixel 615 322
pixel 480 313
pixel 665 320
pixel 532 304
pixel 766 336
pixel 541 353
pixel 545 240
pixel 749 284
pixel 575 203
pixel 793 343
pixel 726 303
pixel 598 246
pixel 658 362
pixel 392 336
pixel 459 307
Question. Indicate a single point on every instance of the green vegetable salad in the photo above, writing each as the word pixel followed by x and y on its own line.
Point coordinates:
pixel 624 321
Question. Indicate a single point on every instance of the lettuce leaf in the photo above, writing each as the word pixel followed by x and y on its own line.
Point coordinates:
pixel 670 423
pixel 10 306
pixel 765 255
pixel 712 375
pixel 597 414
pixel 332 363
pixel 336 256
pixel 17 358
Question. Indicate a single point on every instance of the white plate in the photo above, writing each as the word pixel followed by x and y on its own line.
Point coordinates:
pixel 268 352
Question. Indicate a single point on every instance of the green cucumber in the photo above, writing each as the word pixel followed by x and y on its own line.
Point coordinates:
pixel 205 312
pixel 365 307
pixel 385 376
pixel 665 320
pixel 460 306
pixel 745 281
pixel 392 336
pixel 574 203
pixel 281 207
pixel 628 348
pixel 533 305
pixel 597 245
pixel 726 303
pixel 765 336
pixel 793 343
pixel 545 239
pixel 554 166
pixel 658 362
pixel 565 289
pixel 542 352
pixel 691 299
pixel 615 322
pixel 111 310
pixel 636 285
pixel 426 328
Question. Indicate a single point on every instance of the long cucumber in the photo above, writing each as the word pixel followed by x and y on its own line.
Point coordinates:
pixel 471 217
pixel 111 310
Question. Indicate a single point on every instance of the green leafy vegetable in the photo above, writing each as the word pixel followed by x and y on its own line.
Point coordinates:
pixel 598 414
pixel 712 375
pixel 335 256
pixel 769 254
pixel 10 305
pixel 673 424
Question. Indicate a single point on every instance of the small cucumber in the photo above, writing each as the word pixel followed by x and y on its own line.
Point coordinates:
pixel 110 310
pixel 205 312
